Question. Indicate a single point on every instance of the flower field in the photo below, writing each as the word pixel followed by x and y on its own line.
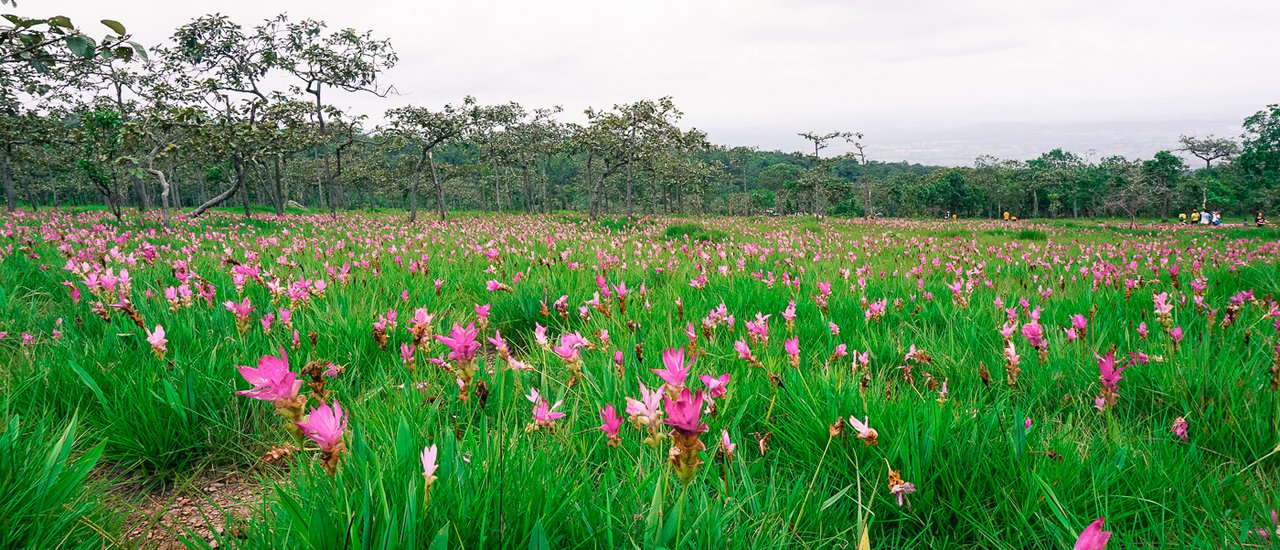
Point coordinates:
pixel 560 382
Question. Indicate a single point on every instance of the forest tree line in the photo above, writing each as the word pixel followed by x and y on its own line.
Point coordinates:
pixel 245 116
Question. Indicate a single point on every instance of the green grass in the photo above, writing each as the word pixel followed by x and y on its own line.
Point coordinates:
pixel 97 399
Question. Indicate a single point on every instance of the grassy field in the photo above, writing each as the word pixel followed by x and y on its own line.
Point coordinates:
pixel 975 357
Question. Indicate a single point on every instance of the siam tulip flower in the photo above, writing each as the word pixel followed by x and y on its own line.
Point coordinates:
pixel 266 321
pixel 674 371
pixel 758 330
pixel 1176 334
pixel 407 354
pixel 500 345
pixel 462 346
pixel 1266 533
pixel 918 356
pixel 1093 537
pixel 899 488
pixel 684 414
pixel 841 351
pixel 1109 377
pixel 1079 323
pixel 495 286
pixel 868 435
pixel 789 315
pixel 863 357
pixel 717 387
pixel 1011 364
pixel 1179 428
pixel 158 342
pixel 544 415
pixel 1027 423
pixel 612 424
pixel 241 311
pixel 461 342
pixel 1142 330
pixel 439 286
pixel 617 361
pixel 1034 333
pixel 286 318
pixel 1072 335
pixel 646 411
pixel 569 351
pixel 792 347
pixel 429 467
pixel 325 425
pixel 272 380
pixel 540 336
pixel 835 329
pixel 727 446
pixel 876 310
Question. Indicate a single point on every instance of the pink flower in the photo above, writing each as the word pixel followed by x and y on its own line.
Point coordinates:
pixel 716 386
pixel 1179 428
pixel 157 340
pixel 868 435
pixel 540 335
pixel 1078 321
pixel 1142 330
pixel 429 464
pixel 570 346
pixel 461 342
pixel 1093 537
pixel 482 311
pixel 675 372
pixel 325 425
pixel 612 423
pixel 841 351
pixel 744 352
pixel 272 380
pixel 792 346
pixel 685 412
pixel 648 408
pixel 727 446
pixel 544 416
pixel 835 329
pixel 1108 373
pixel 617 358
pixel 1176 334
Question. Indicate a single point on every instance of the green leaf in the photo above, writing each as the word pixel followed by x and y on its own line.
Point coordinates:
pixel 538 538
pixel 61 21
pixel 115 26
pixel 81 45
pixel 123 52
pixel 441 542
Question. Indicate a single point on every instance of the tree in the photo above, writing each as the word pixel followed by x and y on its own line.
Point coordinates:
pixel 346 60
pixel 627 135
pixel 1209 149
pixel 425 130
pixel 1260 156
pixel 1161 176
pixel 1130 190
pixel 223 69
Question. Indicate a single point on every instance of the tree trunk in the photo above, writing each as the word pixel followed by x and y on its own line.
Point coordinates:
pixel 10 196
pixel 140 189
pixel 164 194
pixel 413 188
pixel 592 200
pixel 223 196
pixel 279 185
pixel 431 159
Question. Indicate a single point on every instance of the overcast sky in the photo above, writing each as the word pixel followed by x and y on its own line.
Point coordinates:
pixel 926 81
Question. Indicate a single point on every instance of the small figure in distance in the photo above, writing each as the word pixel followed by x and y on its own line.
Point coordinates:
pixel 1259 220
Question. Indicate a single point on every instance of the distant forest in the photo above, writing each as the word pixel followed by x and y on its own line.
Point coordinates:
pixel 228 114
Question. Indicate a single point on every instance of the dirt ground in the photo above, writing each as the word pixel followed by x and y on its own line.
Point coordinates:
pixel 198 508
